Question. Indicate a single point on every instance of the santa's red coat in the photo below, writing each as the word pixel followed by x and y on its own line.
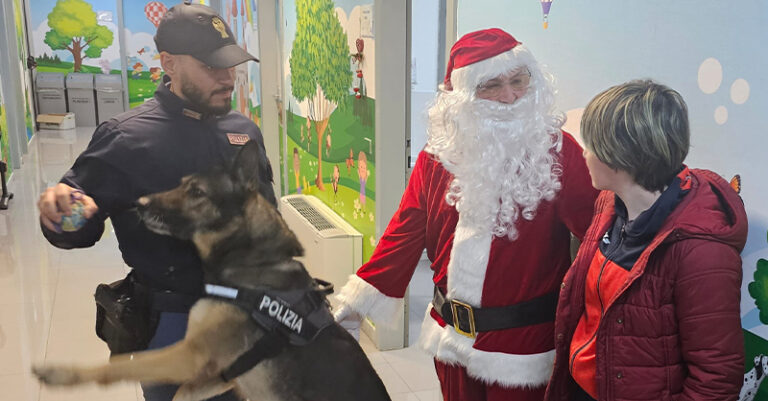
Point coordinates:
pixel 516 271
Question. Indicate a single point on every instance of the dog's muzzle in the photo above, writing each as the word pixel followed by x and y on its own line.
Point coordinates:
pixel 153 221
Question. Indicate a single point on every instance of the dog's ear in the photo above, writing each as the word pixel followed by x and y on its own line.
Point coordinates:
pixel 245 170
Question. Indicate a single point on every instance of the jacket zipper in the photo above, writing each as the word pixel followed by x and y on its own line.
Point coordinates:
pixel 599 297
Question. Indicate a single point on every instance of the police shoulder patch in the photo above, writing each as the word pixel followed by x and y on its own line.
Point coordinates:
pixel 237 139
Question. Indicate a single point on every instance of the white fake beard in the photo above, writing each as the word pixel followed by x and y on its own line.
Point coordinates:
pixel 503 162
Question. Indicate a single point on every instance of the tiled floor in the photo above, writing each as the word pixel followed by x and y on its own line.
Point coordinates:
pixel 46 296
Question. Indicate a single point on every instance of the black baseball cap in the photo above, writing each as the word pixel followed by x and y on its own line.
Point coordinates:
pixel 198 31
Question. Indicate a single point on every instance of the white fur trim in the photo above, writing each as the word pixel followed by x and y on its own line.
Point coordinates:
pixel 509 370
pixel 467 78
pixel 469 262
pixel 367 300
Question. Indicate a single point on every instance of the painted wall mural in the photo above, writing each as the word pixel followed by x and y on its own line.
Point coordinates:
pixel 82 36
pixel 21 45
pixel 143 61
pixel 75 36
pixel 242 18
pixel 546 5
pixel 709 56
pixel 5 150
pixel 329 139
pixel 74 28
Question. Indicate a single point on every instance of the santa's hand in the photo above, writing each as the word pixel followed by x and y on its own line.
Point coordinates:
pixel 349 320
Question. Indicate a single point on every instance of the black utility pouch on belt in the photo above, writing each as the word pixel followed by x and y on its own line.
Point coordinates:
pixel 123 320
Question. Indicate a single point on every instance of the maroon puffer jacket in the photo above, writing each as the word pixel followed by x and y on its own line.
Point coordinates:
pixel 674 333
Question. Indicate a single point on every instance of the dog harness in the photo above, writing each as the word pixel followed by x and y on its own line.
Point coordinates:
pixel 294 317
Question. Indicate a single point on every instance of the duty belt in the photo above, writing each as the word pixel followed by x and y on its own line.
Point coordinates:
pixel 162 300
pixel 468 320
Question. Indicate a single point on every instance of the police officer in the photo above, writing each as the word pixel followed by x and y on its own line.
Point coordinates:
pixel 186 128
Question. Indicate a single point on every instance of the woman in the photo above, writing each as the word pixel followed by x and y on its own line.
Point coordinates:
pixel 650 307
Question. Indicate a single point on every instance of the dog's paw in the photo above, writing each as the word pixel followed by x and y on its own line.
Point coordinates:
pixel 57 375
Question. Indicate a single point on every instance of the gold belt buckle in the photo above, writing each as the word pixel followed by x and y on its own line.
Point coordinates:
pixel 455 305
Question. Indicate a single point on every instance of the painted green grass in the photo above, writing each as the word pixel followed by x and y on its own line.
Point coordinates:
pixel 281 168
pixel 256 111
pixel 29 123
pixel 66 67
pixel 347 131
pixel 140 89
pixel 6 151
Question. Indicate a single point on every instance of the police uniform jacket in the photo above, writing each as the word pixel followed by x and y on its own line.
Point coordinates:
pixel 147 150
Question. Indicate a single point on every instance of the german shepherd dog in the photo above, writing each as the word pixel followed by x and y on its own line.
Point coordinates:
pixel 243 242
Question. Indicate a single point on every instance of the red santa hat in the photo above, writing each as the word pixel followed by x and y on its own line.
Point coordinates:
pixel 482 55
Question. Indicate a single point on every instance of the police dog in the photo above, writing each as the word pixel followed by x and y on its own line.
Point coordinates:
pixel 243 242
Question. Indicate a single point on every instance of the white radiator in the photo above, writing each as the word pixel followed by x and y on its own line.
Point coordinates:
pixel 333 249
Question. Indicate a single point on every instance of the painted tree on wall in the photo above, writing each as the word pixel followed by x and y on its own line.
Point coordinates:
pixel 320 70
pixel 74 27
pixel 758 289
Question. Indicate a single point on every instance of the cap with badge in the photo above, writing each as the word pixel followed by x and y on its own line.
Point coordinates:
pixel 198 31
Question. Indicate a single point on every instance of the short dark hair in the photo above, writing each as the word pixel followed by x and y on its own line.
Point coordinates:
pixel 640 127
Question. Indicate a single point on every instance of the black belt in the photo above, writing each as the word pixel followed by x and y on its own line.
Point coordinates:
pixel 467 320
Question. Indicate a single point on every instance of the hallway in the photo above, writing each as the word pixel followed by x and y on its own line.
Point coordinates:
pixel 46 295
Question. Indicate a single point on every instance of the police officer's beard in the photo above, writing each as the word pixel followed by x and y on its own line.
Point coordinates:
pixel 202 102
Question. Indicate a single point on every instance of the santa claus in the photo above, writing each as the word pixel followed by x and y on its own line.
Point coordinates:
pixel 493 198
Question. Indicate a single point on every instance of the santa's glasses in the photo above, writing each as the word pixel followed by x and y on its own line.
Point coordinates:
pixel 495 86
